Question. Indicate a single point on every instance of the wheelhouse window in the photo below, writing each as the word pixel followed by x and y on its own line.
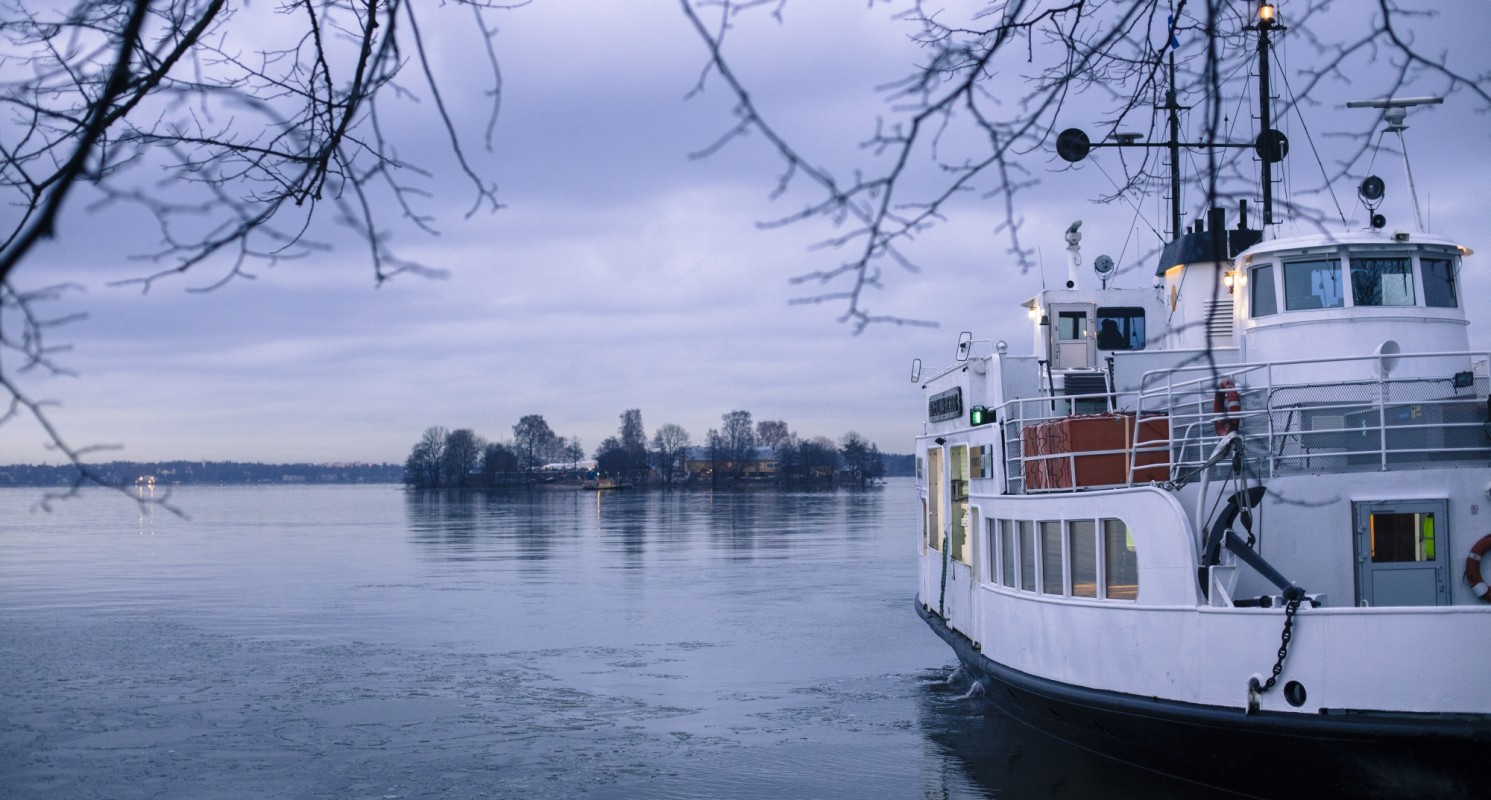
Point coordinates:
pixel 1120 328
pixel 1439 283
pixel 1262 301
pixel 1381 282
pixel 1313 284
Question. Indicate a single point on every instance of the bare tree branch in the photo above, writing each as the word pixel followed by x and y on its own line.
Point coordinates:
pixel 248 130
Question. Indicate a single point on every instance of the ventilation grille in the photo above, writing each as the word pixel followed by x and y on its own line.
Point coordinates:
pixel 1219 321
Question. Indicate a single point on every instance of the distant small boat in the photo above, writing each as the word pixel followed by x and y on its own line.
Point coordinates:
pixel 600 484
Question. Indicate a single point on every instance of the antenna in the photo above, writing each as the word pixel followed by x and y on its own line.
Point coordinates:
pixel 1073 144
pixel 1395 110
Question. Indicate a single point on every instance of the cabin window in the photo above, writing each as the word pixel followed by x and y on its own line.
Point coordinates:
pixel 1401 537
pixel 1120 329
pixel 1439 283
pixel 1052 575
pixel 924 537
pixel 1120 562
pixel 1381 282
pixel 1313 284
pixel 1071 326
pixel 961 517
pixel 1007 552
pixel 1262 301
pixel 991 547
pixel 1027 555
pixel 1082 546
pixel 936 496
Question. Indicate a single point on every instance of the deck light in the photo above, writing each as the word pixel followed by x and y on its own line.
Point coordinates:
pixel 1229 278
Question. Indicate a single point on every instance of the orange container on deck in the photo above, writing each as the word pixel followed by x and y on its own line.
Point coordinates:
pixel 1097 450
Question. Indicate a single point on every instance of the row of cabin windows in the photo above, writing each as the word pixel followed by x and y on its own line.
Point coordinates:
pixel 1072 558
pixel 1382 281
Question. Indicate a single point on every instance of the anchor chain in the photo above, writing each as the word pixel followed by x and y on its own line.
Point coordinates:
pixel 942 596
pixel 1289 610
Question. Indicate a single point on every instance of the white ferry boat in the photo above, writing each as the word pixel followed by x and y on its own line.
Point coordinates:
pixel 1229 526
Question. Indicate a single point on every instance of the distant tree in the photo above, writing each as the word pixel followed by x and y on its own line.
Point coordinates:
pixel 634 443
pixel 533 441
pixel 719 456
pixel 874 468
pixel 462 457
pixel 422 468
pixel 611 457
pixel 669 444
pixel 789 459
pixel 497 462
pixel 771 433
pixel 574 452
pixel 819 458
pixel 739 440
pixel 861 459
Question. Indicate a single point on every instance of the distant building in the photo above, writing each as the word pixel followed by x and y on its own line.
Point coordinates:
pixel 570 466
pixel 762 463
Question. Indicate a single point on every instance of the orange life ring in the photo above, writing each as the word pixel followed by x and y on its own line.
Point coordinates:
pixel 1226 403
pixel 1473 568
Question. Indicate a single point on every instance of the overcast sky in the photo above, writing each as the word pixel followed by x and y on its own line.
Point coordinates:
pixel 621 273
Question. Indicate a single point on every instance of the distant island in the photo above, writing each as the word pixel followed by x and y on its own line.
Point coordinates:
pixel 237 473
pixel 741 452
pixel 184 473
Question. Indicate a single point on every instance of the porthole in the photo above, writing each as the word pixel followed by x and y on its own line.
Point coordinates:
pixel 1294 693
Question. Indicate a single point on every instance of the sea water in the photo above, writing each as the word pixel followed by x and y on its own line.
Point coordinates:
pixel 370 642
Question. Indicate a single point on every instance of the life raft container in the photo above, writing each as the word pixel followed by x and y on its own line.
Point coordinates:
pixel 1227 404
pixel 1473 568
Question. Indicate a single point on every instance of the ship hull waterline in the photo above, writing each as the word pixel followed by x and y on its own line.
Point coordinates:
pixel 1263 754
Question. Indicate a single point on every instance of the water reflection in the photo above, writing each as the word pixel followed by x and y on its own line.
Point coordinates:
pixel 537 525
pixel 993 754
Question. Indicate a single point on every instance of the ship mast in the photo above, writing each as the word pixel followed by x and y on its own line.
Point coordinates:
pixel 1073 144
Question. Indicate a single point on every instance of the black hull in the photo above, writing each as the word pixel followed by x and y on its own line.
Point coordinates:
pixel 1264 754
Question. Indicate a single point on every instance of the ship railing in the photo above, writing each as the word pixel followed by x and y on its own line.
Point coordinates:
pixel 1426 409
pixel 1049 446
pixel 1399 411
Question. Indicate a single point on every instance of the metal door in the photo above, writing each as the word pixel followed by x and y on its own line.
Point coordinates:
pixel 1072 343
pixel 1400 553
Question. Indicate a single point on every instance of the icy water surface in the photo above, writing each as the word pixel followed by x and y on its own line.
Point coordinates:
pixel 364 642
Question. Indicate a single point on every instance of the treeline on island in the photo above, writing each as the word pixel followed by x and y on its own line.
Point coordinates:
pixel 739 451
pixel 120 473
